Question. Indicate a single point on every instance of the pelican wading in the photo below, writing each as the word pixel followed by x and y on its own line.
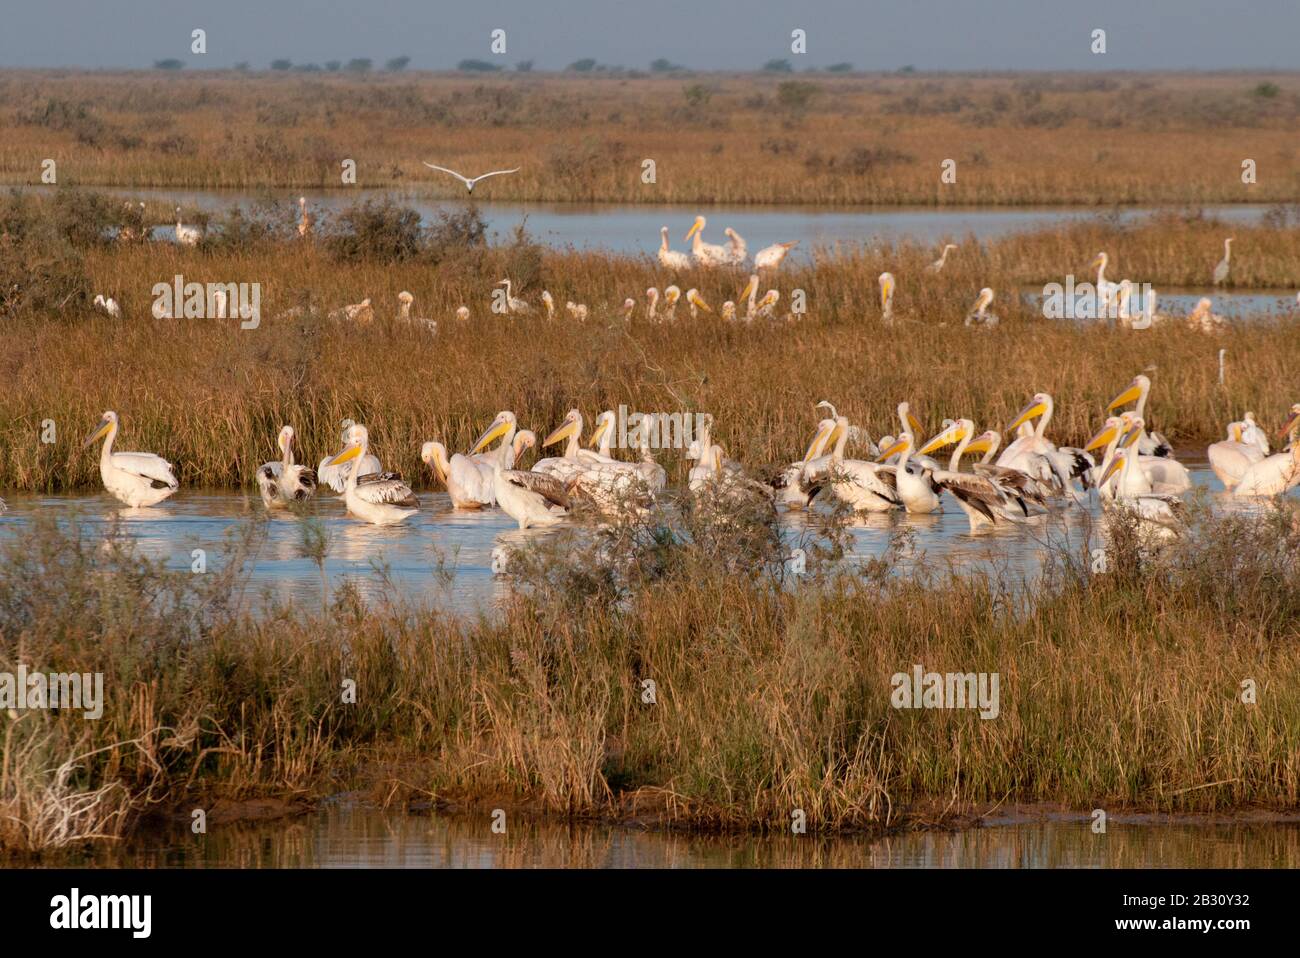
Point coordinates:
pixel 284 482
pixel 706 254
pixel 134 478
pixel 530 498
pixel 379 498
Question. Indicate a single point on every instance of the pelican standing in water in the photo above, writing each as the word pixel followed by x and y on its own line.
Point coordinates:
pixel 1275 474
pixel 1203 319
pixel 1221 270
pixel 670 258
pixel 886 281
pixel 469 483
pixel 866 486
pixel 737 249
pixel 530 498
pixel 336 477
pixel 187 235
pixel 1231 457
pixel 937 265
pixel 706 254
pixel 918 491
pixel 568 465
pixel 771 257
pixel 135 478
pixel 1163 512
pixel 379 498
pixel 284 482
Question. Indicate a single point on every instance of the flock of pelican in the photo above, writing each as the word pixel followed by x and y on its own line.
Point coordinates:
pixel 1126 464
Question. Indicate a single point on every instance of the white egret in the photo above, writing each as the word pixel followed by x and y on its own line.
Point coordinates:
pixel 1221 270
pixel 938 264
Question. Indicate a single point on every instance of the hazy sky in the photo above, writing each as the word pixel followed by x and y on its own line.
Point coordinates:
pixel 702 34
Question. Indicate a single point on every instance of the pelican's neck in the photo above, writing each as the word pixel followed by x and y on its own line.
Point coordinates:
pixel 355 471
pixel 1141 406
pixel 287 449
pixel 506 454
pixel 575 441
pixel 106 451
pixel 842 424
pixel 663 235
pixel 954 463
pixel 903 410
pixel 994 444
pixel 1043 420
pixel 1101 271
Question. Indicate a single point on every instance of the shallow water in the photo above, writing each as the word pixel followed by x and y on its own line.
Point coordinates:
pixel 345 835
pixel 442 556
pixel 628 229
pixel 1230 304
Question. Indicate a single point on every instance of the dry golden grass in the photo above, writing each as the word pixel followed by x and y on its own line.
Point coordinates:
pixel 842 140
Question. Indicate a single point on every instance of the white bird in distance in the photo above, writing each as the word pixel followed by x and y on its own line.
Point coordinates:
pixel 469 183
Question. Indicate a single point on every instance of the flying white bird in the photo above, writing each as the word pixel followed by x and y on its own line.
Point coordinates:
pixel 469 183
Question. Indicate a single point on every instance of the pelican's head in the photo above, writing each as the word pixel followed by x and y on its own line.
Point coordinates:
pixel 571 426
pixel 1202 306
pixel 1101 261
pixel 820 439
pixel 462 312
pixel 524 439
pixel 405 298
pixel 502 424
pixel 894 448
pixel 357 438
pixel 695 299
pixel 107 423
pixel 907 418
pixel 285 439
pixel 629 304
pixel 1038 406
pixel 730 233
pixel 1292 421
pixel 769 298
pixel 1135 426
pixel 672 294
pixel 959 430
pixel 1227 242
pixel 696 226
pixel 826 404
pixel 1132 393
pixel 886 281
pixel 986 441
pixel 985 298
pixel 663 231
pixel 548 300
pixel 604 423
pixel 652 294
pixel 302 202
pixel 434 455
pixel 750 288
pixel 1116 464
pixel 1106 434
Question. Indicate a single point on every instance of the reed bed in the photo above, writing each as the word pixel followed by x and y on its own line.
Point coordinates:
pixel 211 396
pixel 1117 690
pixel 770 139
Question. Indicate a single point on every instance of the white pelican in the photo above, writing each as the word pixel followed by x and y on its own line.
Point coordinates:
pixel 1291 428
pixel 568 465
pixel 737 249
pixel 979 314
pixel 917 490
pixel 1115 435
pixel 652 304
pixel 1252 433
pixel 1035 455
pixel 469 483
pixel 610 485
pixel 670 258
pixel 469 181
pixel 577 311
pixel 938 264
pixel 304 221
pixel 1167 475
pixel 671 295
pixel 135 478
pixel 697 303
pixel 1162 511
pixel 983 498
pixel 705 254
pixel 767 305
pixel 379 498
pixel 1151 444
pixel 1105 289
pixel 792 486
pixel 284 482
pixel 1203 320
pixel 886 281
pixel 462 313
pixel 713 473
pixel 1272 475
pixel 336 477
pixel 602 439
pixel 362 313
pixel 187 235
pixel 749 295
pixel 629 307
pixel 770 257
pixel 865 486
pixel 530 498
pixel 1221 270
pixel 514 305
pixel 404 303
pixel 549 302
pixel 1231 457
pixel 108 305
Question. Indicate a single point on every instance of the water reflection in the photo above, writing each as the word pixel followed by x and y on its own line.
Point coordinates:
pixel 343 835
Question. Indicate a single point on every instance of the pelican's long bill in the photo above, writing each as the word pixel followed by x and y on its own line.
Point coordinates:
pixel 982 444
pixel 494 432
pixel 561 432
pixel 347 455
pixel 1102 438
pixel 1127 396
pixel 896 448
pixel 99 432
pixel 749 288
pixel 599 432
pixel 821 438
pixel 1115 465
pixel 1290 424
pixel 695 227
pixel 1033 410
pixel 954 433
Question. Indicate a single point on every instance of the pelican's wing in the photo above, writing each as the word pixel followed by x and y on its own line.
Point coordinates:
pixel 385 488
pixel 443 169
pixel 495 173
pixel 548 487
pixel 1013 482
pixel 268 478
pixel 147 466
pixel 336 477
pixel 976 491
